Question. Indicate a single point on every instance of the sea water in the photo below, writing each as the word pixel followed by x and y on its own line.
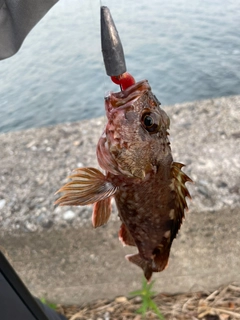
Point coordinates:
pixel 187 49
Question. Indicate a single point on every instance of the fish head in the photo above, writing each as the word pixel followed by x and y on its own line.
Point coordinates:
pixel 135 140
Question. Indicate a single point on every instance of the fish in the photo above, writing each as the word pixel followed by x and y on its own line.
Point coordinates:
pixel 139 173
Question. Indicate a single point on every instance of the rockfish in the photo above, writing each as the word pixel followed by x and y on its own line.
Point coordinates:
pixel 140 174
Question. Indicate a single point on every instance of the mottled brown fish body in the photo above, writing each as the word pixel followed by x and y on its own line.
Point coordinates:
pixel 149 188
pixel 145 209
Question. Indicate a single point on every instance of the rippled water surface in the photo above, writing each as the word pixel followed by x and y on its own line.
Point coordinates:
pixel 187 49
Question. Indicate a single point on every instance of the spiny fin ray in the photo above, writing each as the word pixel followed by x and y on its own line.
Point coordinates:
pixel 88 186
pixel 101 212
pixel 180 178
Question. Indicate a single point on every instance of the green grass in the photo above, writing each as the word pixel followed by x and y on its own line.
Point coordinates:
pixel 49 304
pixel 147 294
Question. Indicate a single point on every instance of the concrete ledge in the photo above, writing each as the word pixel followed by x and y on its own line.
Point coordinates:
pixel 59 255
pixel 85 264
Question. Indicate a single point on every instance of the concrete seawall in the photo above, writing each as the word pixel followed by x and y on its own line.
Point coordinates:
pixel 59 255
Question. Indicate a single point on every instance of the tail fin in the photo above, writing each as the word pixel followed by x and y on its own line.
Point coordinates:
pixel 140 262
pixel 158 263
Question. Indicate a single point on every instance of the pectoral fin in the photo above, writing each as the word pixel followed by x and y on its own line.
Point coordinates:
pixel 88 186
pixel 101 212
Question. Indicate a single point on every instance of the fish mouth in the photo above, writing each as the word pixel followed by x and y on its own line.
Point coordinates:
pixel 127 96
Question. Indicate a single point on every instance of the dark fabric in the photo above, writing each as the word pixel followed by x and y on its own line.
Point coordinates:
pixel 50 313
pixel 13 308
pixel 17 18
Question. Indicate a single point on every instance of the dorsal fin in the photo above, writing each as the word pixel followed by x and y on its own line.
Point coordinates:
pixel 88 186
pixel 179 180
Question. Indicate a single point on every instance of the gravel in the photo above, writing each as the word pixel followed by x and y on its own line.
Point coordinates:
pixel 34 164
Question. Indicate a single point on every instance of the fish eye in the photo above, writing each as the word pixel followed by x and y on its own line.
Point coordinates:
pixel 150 122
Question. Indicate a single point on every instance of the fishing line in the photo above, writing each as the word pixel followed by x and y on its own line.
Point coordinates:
pixel 94 7
pixel 103 80
pixel 105 84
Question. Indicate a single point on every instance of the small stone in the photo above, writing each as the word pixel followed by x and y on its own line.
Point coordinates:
pixel 2 203
pixel 236 135
pixel 63 225
pixel 30 226
pixel 137 299
pixel 228 202
pixel 121 299
pixel 107 315
pixel 47 224
pixel 76 143
pixel 235 189
pixel 31 144
pixel 69 215
pixel 7 214
pixel 58 210
pixel 222 184
pixel 79 165
pixel 203 188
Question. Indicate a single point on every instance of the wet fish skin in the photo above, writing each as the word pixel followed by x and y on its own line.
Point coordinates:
pixel 148 187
